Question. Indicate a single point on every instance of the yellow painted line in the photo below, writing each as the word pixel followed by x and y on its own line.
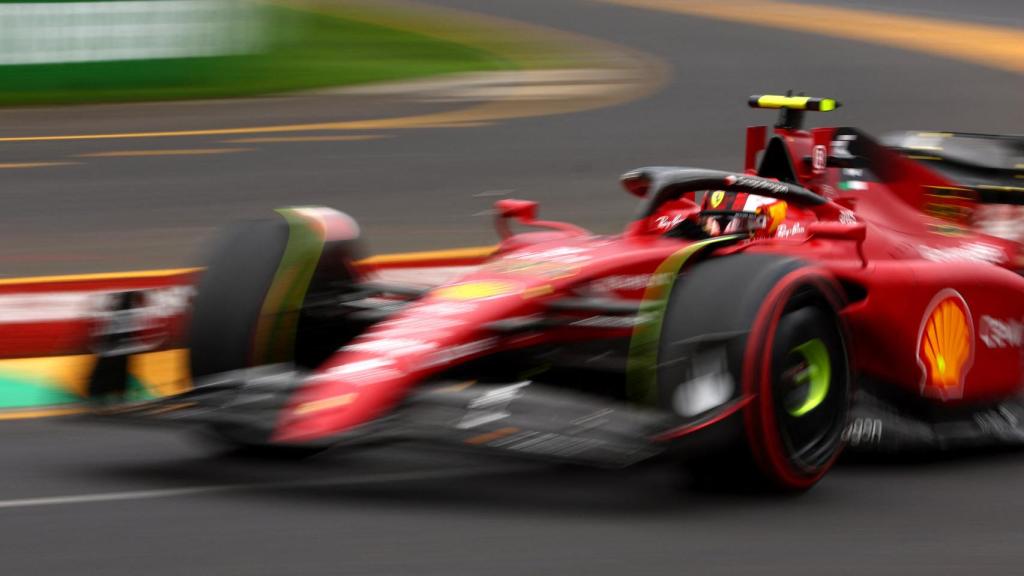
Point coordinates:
pixel 20 165
pixel 413 257
pixel 98 277
pixel 148 153
pixel 395 258
pixel 992 46
pixel 277 139
pixel 463 124
pixel 468 117
pixel 442 119
pixel 44 413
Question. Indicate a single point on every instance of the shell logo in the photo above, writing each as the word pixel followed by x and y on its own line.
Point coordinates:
pixel 945 349
pixel 476 290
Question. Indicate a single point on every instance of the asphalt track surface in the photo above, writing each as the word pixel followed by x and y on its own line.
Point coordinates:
pixel 76 499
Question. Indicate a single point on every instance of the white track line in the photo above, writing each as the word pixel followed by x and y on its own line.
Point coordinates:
pixel 214 489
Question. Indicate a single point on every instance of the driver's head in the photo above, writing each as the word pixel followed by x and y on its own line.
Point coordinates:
pixel 734 212
pixel 722 200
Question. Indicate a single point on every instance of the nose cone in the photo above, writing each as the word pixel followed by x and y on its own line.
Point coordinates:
pixel 369 377
pixel 354 389
pixel 366 379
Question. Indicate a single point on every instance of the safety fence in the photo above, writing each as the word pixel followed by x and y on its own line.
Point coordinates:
pixel 50 327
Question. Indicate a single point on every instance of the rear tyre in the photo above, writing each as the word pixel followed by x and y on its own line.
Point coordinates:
pixel 249 306
pixel 780 354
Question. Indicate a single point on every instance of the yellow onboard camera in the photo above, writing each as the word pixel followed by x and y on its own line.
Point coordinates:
pixel 792 107
pixel 794 102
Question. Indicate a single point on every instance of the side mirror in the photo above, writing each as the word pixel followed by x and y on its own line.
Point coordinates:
pixel 524 211
pixel 636 182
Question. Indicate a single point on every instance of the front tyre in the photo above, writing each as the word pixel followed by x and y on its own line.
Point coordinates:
pixel 799 371
pixel 754 344
pixel 251 311
pixel 260 276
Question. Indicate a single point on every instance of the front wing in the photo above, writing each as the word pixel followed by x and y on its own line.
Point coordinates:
pixel 518 418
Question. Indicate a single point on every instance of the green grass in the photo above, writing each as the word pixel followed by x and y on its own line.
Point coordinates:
pixel 306 50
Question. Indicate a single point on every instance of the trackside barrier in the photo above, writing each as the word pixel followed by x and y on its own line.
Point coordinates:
pixel 48 327
pixel 47 324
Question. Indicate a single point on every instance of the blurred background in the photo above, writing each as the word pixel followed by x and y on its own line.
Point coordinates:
pixel 131 129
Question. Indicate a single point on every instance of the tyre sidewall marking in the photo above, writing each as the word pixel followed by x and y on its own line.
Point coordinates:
pixel 759 418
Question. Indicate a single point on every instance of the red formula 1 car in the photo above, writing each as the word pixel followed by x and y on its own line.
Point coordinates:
pixel 732 325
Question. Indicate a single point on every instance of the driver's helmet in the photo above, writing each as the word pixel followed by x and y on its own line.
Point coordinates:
pixel 735 212
pixel 722 200
pixel 718 211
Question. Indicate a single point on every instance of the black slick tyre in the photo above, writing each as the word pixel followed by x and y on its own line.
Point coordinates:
pixel 766 329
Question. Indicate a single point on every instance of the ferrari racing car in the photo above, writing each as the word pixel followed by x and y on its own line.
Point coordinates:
pixel 748 323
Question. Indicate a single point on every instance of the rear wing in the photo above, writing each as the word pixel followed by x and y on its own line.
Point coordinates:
pixel 791 108
pixel 861 157
pixel 791 154
pixel 991 166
